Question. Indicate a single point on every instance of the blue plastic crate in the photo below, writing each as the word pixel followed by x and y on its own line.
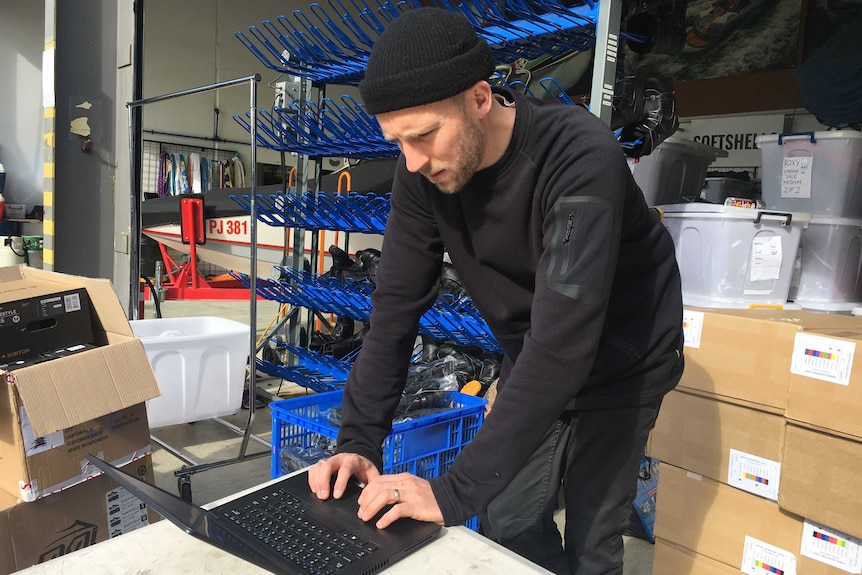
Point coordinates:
pixel 425 446
pixel 645 500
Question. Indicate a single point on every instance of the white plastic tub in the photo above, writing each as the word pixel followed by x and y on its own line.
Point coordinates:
pixel 734 257
pixel 675 170
pixel 199 363
pixel 830 272
pixel 815 172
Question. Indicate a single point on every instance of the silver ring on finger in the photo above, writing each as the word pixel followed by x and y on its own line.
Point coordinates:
pixel 397 496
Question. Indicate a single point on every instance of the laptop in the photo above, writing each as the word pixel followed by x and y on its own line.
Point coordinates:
pixel 284 528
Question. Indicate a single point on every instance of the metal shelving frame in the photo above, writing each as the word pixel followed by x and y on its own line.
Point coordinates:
pixel 607 40
pixel 192 466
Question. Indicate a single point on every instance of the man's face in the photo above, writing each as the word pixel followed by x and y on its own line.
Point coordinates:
pixel 441 141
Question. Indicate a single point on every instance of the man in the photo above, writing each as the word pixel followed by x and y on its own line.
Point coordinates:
pixel 573 273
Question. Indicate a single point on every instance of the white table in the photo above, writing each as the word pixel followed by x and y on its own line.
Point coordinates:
pixel 167 550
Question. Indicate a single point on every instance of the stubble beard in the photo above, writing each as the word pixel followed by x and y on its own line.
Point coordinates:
pixel 470 147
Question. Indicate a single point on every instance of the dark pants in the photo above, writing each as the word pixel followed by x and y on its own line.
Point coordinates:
pixel 593 457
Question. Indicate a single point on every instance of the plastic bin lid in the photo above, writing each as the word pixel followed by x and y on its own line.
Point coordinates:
pixel 692 147
pixel 837 221
pixel 830 135
pixel 718 211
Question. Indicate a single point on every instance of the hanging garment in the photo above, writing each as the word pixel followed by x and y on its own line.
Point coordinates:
pixel 228 176
pixel 205 174
pixel 184 175
pixel 238 171
pixel 162 175
pixel 195 172
pixel 173 178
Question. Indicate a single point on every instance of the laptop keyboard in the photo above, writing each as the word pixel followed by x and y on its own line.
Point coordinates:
pixel 278 519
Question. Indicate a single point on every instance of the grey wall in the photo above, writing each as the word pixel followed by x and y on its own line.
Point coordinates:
pixel 21 153
pixel 178 56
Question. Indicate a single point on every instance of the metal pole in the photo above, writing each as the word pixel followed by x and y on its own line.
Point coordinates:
pixel 252 356
pixel 135 223
pixel 198 90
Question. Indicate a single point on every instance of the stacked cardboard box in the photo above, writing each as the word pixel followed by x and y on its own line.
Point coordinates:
pixel 737 489
pixel 94 511
pixel 58 405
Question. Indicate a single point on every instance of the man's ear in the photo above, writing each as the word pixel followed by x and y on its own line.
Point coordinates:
pixel 480 98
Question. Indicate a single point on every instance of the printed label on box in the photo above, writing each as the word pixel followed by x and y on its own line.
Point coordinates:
pixel 765 262
pixel 72 302
pixel 823 358
pixel 796 176
pixel 831 547
pixel 754 474
pixel 692 327
pixel 760 558
pixel 34 444
pixel 125 512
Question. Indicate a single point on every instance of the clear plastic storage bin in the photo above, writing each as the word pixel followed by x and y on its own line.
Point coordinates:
pixel 675 170
pixel 830 265
pixel 815 172
pixel 199 363
pixel 734 257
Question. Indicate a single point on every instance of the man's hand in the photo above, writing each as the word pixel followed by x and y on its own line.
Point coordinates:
pixel 344 466
pixel 410 496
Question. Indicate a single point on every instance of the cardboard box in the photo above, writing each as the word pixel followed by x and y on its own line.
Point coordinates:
pixel 743 356
pixel 737 528
pixel 714 519
pixel 50 410
pixel 729 443
pixel 826 380
pixel 43 323
pixel 821 479
pixel 94 511
pixel 670 559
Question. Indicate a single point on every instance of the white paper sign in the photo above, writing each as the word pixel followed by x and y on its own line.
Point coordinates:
pixel 692 327
pixel 765 258
pixel 831 547
pixel 759 558
pixel 823 358
pixel 33 443
pixel 737 135
pixel 125 512
pixel 754 474
pixel 796 176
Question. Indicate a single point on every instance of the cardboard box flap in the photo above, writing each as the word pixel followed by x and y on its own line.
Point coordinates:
pixel 22 281
pixel 671 558
pixel 81 387
pixel 804 319
pixel 16 282
pixel 7 501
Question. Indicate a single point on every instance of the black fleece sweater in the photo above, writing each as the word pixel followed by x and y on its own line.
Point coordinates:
pixel 574 275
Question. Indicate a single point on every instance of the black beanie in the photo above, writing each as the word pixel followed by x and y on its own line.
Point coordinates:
pixel 425 55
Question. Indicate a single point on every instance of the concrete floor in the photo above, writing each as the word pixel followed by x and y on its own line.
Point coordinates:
pixel 209 441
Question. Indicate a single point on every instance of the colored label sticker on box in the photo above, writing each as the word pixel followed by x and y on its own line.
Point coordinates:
pixel 754 474
pixel 831 547
pixel 823 358
pixel 761 558
pixel 692 327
